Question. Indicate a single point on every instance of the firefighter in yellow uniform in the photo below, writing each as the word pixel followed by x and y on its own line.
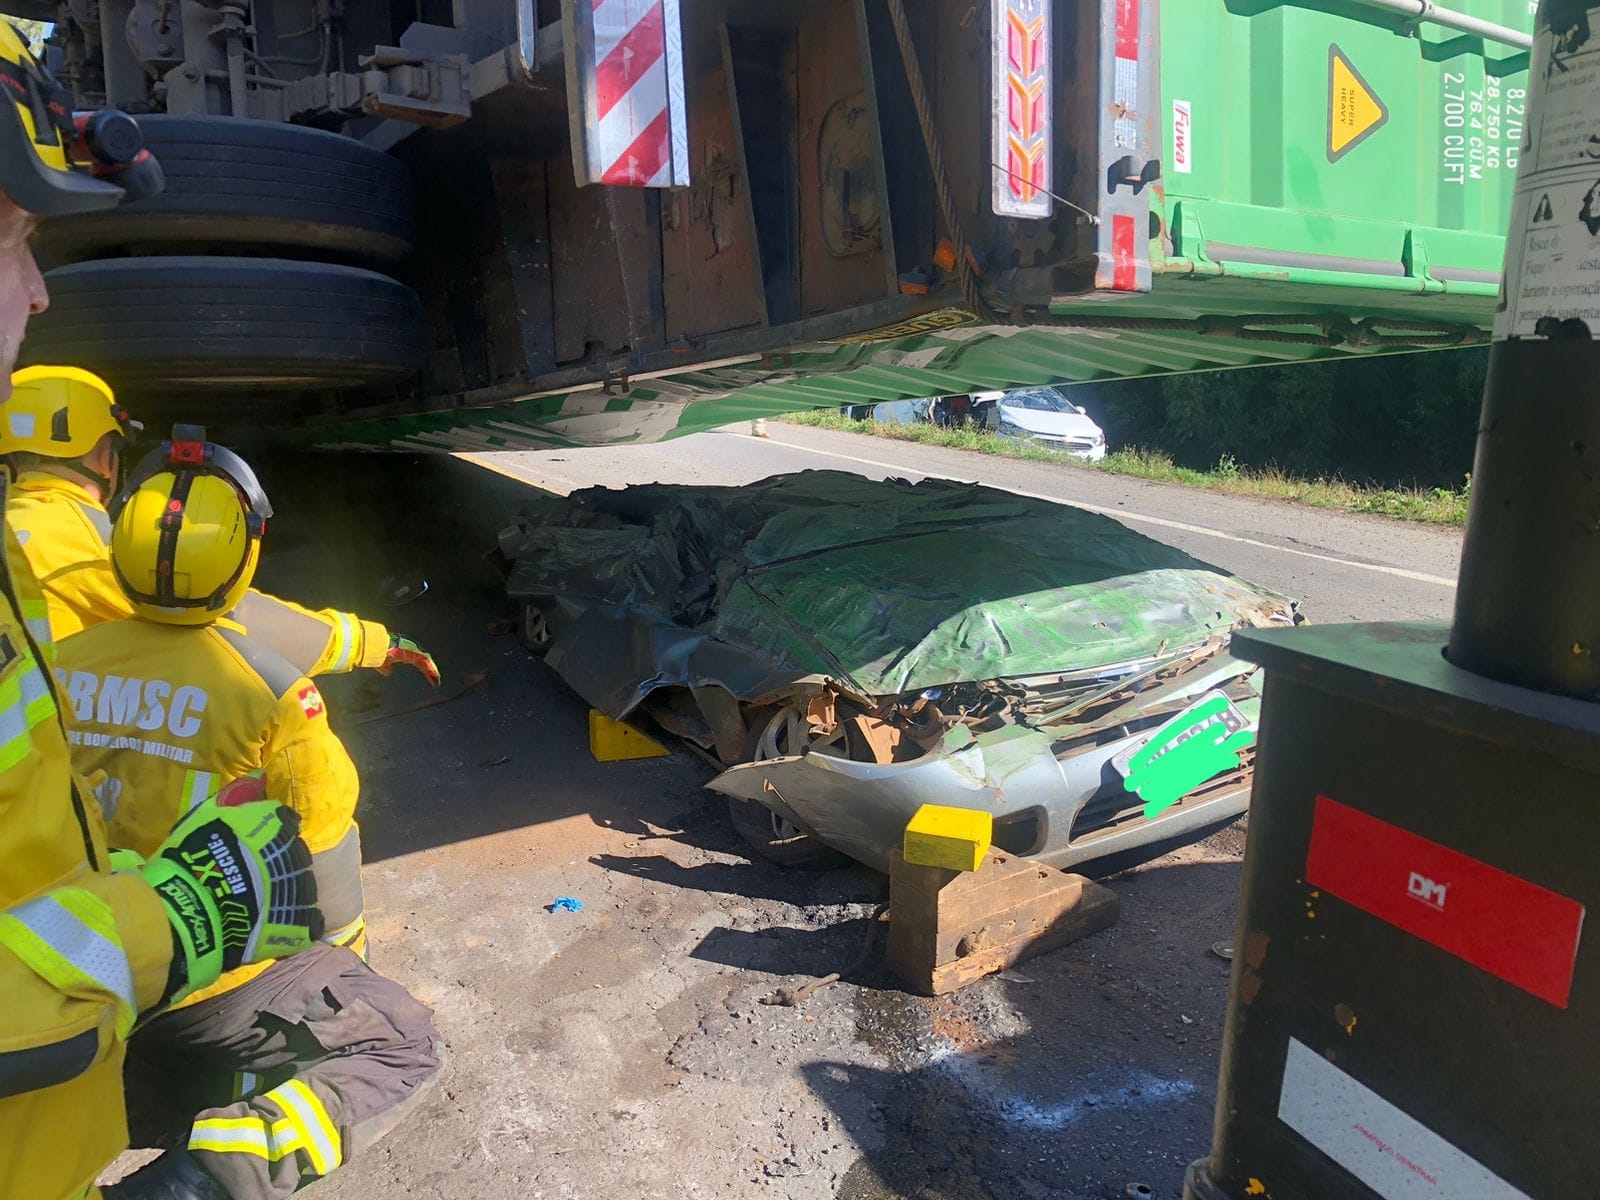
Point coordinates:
pixel 166 704
pixel 83 950
pixel 63 438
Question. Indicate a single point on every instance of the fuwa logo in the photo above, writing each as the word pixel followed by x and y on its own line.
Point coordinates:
pixel 1420 887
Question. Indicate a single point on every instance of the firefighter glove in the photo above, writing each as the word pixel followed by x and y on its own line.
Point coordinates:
pixel 238 888
pixel 407 653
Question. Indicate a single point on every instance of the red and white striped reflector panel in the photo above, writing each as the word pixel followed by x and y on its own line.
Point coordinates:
pixel 1020 47
pixel 630 71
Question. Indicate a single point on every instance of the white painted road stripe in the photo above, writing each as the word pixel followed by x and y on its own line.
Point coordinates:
pixel 1119 513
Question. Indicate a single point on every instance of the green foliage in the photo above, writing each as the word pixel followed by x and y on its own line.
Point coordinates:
pixel 1400 420
pixel 34 31
pixel 1438 506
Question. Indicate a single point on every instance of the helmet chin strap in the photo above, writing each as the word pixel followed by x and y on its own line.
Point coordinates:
pixel 104 483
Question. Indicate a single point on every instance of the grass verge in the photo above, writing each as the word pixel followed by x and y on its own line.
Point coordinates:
pixel 1432 506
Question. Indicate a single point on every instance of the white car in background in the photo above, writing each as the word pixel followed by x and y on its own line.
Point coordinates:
pixel 1041 414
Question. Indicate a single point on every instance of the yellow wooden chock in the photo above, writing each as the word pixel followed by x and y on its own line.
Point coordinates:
pixel 953 838
pixel 612 741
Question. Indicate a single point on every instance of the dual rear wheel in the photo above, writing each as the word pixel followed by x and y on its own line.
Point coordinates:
pixel 258 269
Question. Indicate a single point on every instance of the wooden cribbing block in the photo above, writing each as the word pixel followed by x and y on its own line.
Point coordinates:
pixel 948 928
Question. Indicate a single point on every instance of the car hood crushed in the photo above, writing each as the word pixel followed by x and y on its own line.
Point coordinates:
pixel 882 622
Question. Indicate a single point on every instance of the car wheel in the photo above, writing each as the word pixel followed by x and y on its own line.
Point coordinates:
pixel 533 631
pixel 776 840
pixel 229 324
pixel 778 733
pixel 235 182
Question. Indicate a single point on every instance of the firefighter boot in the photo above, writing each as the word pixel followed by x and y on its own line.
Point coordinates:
pixel 173 1176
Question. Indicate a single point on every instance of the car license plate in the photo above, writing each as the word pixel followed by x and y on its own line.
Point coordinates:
pixel 1183 727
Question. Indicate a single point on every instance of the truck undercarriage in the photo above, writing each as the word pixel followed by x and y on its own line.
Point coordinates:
pixel 399 224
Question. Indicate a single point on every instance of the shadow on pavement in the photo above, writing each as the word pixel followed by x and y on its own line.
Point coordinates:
pixel 752 880
pixel 509 754
pixel 1073 1075
pixel 804 953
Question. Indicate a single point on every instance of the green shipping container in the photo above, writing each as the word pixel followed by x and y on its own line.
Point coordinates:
pixel 1146 186
pixel 1325 154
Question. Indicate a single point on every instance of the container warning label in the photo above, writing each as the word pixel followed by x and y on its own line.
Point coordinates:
pixel 1500 923
pixel 1395 1155
pixel 1354 111
pixel 1553 251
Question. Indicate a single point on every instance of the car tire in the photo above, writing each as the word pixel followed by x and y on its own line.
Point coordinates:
pixel 235 182
pixel 229 324
pixel 775 840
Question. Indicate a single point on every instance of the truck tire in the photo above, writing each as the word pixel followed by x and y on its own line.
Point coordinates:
pixel 235 182
pixel 231 324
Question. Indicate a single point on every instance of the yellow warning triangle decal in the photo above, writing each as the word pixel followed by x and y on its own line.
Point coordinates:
pixel 1354 111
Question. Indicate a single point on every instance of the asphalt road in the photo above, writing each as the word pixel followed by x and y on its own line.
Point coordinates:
pixel 623 1051
pixel 1340 566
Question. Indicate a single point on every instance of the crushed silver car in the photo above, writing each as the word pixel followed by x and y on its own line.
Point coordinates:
pixel 851 649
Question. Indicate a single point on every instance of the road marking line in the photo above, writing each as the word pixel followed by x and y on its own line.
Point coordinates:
pixel 478 460
pixel 1123 514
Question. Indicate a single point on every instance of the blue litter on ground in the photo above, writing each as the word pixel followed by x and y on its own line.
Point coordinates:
pixel 567 904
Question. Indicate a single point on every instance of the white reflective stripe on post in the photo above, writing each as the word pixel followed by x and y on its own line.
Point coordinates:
pixel 347 643
pixel 197 789
pixel 69 939
pixel 628 88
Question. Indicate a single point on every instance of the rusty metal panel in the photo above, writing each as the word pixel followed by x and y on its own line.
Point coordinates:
pixel 841 245
pixel 590 309
pixel 709 272
pixel 606 264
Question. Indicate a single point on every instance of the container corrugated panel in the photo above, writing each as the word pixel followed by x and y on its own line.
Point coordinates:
pixel 1342 141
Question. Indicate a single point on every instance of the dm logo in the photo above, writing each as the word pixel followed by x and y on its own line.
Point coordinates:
pixel 1420 887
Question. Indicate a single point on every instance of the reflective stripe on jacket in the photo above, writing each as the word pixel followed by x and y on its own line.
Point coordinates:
pixel 66 535
pixel 81 950
pixel 172 712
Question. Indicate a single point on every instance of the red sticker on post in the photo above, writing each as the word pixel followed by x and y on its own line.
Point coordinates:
pixel 1125 270
pixel 1515 930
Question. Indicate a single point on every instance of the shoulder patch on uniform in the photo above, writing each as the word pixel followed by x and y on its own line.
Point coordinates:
pixel 311 701
pixel 22 536
pixel 268 665
pixel 8 651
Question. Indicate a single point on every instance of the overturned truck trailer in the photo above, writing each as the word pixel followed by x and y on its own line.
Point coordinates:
pixel 452 224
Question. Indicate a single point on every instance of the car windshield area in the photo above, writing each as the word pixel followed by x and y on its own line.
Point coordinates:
pixel 1041 399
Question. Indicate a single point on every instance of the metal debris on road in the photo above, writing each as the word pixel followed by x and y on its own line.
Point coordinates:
pixel 787 997
pixel 396 590
pixel 1223 949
